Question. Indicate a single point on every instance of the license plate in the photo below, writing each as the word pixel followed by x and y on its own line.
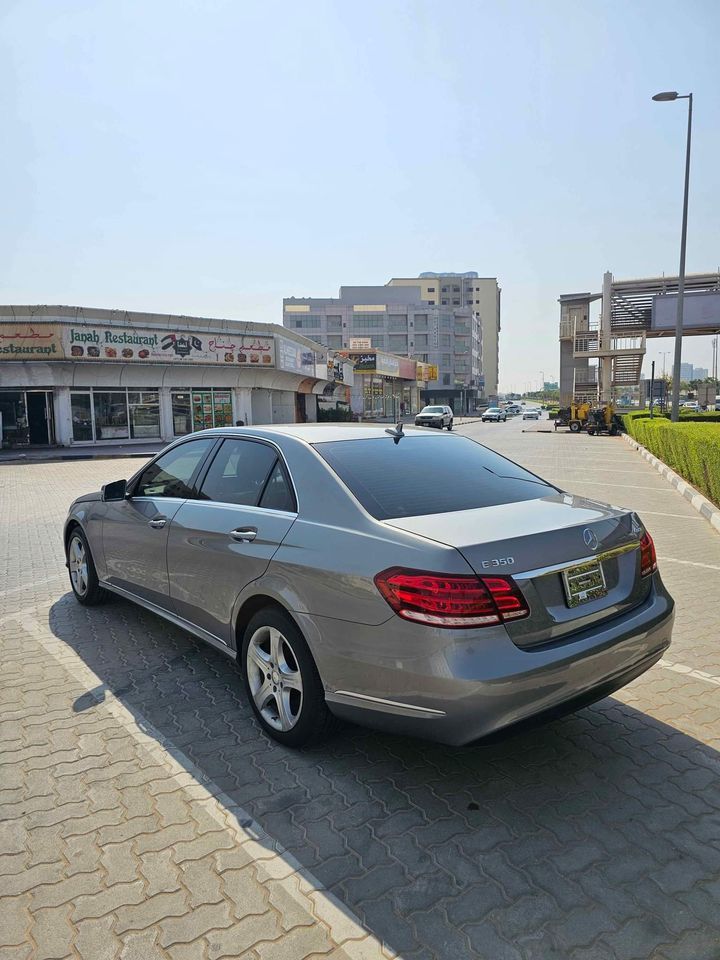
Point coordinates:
pixel 584 583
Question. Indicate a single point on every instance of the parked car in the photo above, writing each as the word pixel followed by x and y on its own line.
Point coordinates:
pixel 494 414
pixel 437 416
pixel 413 582
pixel 531 413
pixel 691 405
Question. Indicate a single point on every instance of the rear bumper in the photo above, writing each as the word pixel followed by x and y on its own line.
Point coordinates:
pixel 475 683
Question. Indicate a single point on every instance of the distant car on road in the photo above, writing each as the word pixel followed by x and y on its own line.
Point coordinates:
pixel 493 414
pixel 439 416
pixel 691 405
pixel 513 409
pixel 417 583
pixel 531 413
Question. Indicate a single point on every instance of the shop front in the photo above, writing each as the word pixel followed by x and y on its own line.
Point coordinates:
pixel 385 386
pixel 77 377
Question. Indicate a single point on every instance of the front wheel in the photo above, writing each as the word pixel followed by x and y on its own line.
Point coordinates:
pixel 83 575
pixel 282 681
pixel 575 426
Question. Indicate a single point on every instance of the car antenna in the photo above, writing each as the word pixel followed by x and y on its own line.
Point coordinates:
pixel 397 432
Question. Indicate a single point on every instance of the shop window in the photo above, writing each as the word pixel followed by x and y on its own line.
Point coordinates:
pixel 181 414
pixel 13 409
pixel 81 411
pixel 144 410
pixel 111 415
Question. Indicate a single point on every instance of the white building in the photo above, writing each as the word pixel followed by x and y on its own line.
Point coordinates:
pixel 82 376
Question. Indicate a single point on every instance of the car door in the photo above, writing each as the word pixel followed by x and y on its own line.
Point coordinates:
pixel 135 530
pixel 227 535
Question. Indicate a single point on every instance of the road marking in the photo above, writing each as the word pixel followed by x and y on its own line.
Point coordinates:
pixel 689 672
pixel 270 859
pixel 630 486
pixel 690 563
pixel 657 513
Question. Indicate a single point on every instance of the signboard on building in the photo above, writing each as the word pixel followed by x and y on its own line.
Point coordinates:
pixel 24 341
pixel 335 364
pixel 360 343
pixel 701 311
pixel 295 358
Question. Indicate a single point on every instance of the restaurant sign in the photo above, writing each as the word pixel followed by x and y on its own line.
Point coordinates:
pixel 132 345
pixel 23 341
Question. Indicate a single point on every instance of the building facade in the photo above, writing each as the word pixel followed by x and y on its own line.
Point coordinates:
pixel 397 318
pixel 79 376
pixel 482 296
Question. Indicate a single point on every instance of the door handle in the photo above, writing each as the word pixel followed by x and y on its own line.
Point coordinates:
pixel 158 523
pixel 244 534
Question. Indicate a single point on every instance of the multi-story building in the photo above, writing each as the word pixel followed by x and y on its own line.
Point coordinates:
pixel 404 317
pixel 482 296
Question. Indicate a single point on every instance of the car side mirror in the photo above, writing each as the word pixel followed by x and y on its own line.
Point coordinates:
pixel 114 491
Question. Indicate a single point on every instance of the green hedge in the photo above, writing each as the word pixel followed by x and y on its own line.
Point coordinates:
pixel 691 449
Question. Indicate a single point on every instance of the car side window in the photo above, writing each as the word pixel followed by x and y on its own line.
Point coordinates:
pixel 170 475
pixel 277 494
pixel 238 473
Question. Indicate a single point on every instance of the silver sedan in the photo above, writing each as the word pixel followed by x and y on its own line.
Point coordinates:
pixel 417 582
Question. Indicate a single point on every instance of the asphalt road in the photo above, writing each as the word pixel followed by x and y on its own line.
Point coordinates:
pixel 145 815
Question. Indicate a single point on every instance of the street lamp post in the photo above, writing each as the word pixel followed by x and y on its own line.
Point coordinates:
pixel 674 411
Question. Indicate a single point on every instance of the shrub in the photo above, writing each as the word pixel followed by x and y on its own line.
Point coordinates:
pixel 691 449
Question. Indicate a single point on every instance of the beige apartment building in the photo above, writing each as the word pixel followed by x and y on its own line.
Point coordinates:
pixel 482 294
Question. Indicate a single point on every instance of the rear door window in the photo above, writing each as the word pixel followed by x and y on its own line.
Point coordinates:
pixel 238 473
pixel 425 475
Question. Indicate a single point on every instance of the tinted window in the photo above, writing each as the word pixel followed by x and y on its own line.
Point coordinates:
pixel 238 472
pixel 278 495
pixel 422 475
pixel 170 475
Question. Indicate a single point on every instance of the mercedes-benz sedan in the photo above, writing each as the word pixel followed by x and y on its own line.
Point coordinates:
pixel 415 582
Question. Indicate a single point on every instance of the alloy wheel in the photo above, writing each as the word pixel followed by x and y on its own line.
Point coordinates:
pixel 77 562
pixel 274 678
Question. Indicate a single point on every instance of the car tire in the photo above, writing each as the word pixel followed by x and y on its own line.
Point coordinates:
pixel 81 568
pixel 574 427
pixel 293 711
pixel 450 426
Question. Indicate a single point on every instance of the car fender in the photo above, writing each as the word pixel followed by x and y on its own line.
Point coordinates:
pixel 88 515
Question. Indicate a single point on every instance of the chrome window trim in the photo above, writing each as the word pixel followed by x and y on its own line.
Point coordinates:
pixel 281 457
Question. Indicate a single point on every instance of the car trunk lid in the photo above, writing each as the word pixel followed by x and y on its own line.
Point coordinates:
pixel 541 543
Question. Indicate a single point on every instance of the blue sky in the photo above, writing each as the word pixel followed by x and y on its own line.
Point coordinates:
pixel 210 157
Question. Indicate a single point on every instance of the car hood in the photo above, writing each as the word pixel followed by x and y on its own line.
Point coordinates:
pixel 88 497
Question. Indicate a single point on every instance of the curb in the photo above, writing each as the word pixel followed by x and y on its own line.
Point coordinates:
pixel 700 502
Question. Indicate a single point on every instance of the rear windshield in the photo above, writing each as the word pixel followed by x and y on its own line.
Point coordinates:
pixel 423 475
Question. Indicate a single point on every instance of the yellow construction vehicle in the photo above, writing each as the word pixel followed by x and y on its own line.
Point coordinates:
pixel 575 417
pixel 603 419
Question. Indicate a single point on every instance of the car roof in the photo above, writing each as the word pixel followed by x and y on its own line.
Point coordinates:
pixel 314 432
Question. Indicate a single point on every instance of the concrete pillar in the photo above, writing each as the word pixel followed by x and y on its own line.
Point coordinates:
pixel 63 416
pixel 242 405
pixel 606 362
pixel 166 419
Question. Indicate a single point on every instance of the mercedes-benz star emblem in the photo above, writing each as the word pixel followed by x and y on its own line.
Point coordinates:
pixel 591 541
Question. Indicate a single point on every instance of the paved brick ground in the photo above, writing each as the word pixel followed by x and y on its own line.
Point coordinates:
pixel 145 815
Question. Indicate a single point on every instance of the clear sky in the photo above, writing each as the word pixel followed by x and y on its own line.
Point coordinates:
pixel 212 156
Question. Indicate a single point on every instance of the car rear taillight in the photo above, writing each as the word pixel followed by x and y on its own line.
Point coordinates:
pixel 648 559
pixel 444 600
